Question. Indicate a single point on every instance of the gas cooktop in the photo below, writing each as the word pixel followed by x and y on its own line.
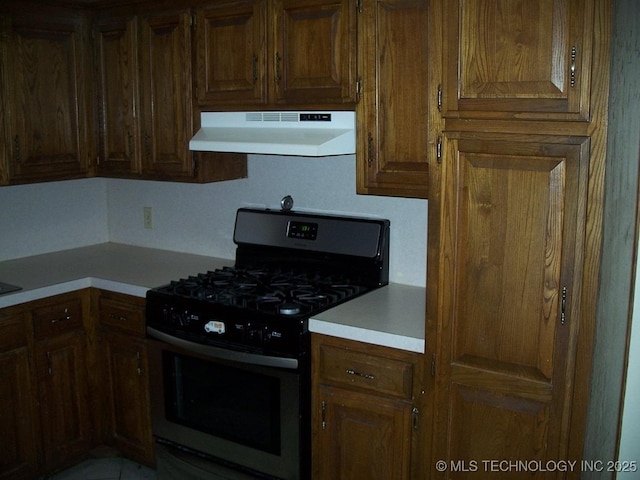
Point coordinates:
pixel 273 290
pixel 289 266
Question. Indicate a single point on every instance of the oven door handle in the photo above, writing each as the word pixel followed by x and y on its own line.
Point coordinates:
pixel 224 353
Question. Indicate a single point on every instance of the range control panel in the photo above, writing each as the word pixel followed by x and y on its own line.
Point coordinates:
pixel 304 230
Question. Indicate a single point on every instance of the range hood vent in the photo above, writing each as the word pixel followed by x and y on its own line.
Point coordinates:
pixel 312 134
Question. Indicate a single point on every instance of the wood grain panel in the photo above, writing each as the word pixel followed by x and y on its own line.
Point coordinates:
pixel 313 51
pixel 167 122
pixel 512 244
pixel 529 58
pixel 231 53
pixel 47 103
pixel 116 54
pixel 397 115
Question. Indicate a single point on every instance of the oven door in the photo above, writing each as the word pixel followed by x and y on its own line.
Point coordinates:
pixel 240 410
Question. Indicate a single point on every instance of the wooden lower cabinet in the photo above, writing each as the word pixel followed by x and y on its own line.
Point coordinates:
pixel 128 427
pixel 19 424
pixel 64 399
pixel 365 410
pixel 509 273
pixel 123 354
pixel 364 436
pixel 63 386
pixel 70 380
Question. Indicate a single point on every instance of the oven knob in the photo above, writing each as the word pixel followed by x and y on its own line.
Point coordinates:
pixel 257 335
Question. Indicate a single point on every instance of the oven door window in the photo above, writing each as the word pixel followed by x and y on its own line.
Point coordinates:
pixel 239 405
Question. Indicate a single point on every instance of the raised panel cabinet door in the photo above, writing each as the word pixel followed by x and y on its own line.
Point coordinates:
pixel 511 248
pixel 128 396
pixel 165 94
pixel 524 58
pixel 117 71
pixel 396 125
pixel 231 53
pixel 361 436
pixel 46 106
pixel 19 455
pixel 19 428
pixel 64 399
pixel 313 55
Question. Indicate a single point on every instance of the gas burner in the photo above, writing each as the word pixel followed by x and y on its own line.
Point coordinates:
pixel 276 291
pixel 289 308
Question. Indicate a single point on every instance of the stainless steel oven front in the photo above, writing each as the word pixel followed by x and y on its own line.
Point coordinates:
pixel 223 414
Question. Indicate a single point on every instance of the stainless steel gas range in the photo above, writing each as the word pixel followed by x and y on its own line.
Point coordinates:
pixel 229 349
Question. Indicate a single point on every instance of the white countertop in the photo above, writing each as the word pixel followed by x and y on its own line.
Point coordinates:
pixel 110 266
pixel 391 316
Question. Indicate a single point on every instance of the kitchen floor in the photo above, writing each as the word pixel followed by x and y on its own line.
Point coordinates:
pixel 107 468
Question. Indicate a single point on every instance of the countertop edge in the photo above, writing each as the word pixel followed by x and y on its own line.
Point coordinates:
pixel 24 296
pixel 374 337
pixel 391 316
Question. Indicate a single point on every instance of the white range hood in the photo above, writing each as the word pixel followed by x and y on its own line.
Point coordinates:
pixel 308 133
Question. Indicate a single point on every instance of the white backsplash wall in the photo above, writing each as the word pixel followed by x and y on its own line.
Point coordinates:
pixel 46 217
pixel 200 218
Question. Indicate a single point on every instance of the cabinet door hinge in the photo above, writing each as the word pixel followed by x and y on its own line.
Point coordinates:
pixel 323 410
pixel 563 306
pixel 16 149
pixel 433 365
pixel 138 363
pixel 359 6
pixel 49 364
pixel 193 21
pixel 572 67
pixel 359 88
pixel 439 98
pixel 439 150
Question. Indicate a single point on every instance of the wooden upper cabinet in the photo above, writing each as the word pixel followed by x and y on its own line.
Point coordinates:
pixel 117 82
pixel 398 120
pixel 313 51
pixel 145 105
pixel 517 59
pixel 510 274
pixel 254 53
pixel 165 94
pixel 45 82
pixel 231 53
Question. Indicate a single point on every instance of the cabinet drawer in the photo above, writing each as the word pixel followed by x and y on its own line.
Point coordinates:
pixel 371 372
pixel 123 312
pixel 56 317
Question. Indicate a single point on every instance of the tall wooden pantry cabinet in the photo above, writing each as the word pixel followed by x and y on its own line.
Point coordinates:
pixel 514 234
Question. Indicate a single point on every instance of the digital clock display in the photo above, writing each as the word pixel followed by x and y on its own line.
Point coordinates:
pixel 304 230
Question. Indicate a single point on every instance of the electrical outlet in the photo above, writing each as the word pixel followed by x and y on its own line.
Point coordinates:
pixel 148 217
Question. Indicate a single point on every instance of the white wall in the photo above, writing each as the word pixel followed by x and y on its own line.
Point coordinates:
pixel 200 218
pixel 47 217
